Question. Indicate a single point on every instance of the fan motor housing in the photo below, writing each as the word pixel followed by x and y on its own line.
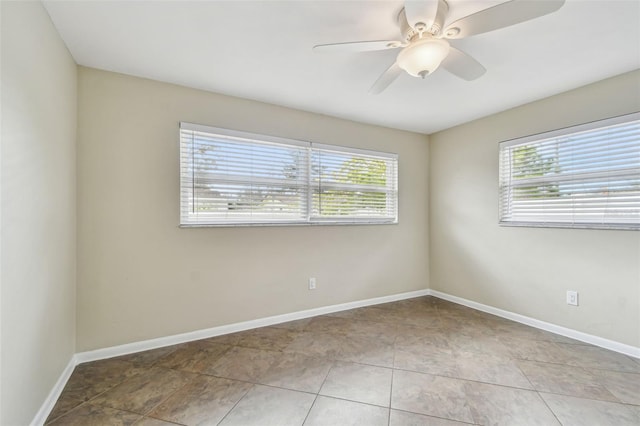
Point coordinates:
pixel 434 27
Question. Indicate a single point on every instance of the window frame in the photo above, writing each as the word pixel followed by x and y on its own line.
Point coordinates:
pixel 540 138
pixel 310 219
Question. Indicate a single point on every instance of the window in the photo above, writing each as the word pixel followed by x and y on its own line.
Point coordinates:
pixel 236 178
pixel 585 176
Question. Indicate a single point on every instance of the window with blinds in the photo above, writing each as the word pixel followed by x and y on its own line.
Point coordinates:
pixel 234 178
pixel 585 176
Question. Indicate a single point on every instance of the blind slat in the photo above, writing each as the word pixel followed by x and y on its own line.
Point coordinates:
pixel 584 176
pixel 236 178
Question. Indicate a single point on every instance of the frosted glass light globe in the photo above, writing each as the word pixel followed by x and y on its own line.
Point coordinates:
pixel 423 56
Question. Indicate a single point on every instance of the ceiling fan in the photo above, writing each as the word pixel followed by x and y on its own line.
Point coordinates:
pixel 424 37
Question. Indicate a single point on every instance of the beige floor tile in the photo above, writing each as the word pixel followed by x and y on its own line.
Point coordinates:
pixel 520 331
pixel 63 406
pixel 536 350
pixel 193 357
pixel 625 386
pixel 366 350
pixel 240 363
pixel 423 318
pixel 382 332
pixel 566 380
pixel 367 313
pixel 360 383
pixel 269 338
pixel 297 371
pixel 598 358
pixel 456 312
pixel 501 405
pixel 93 415
pixel 387 316
pixel 331 412
pixel 417 303
pixel 477 341
pixel 148 421
pixel 148 358
pixel 459 322
pixel 268 406
pixel 487 368
pixel 204 400
pixel 431 395
pixel 409 336
pixel 326 345
pixel 226 339
pixel 93 378
pixel 297 325
pixel 572 411
pixel 141 393
pixel 426 359
pixel 329 324
pixel 403 418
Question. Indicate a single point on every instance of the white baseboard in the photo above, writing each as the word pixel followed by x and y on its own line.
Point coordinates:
pixel 632 351
pixel 160 342
pixel 95 355
pixel 52 398
pixel 233 328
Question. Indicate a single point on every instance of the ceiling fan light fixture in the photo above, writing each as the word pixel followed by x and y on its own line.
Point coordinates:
pixel 423 56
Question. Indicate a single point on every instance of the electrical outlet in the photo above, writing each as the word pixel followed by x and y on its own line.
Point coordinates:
pixel 572 297
pixel 312 283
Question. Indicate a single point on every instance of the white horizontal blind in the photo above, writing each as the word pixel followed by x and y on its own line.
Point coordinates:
pixel 351 184
pixel 582 176
pixel 236 178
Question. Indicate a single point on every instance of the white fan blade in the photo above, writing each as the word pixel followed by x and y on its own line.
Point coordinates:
pixel 386 79
pixel 500 16
pixel 421 13
pixel 462 65
pixel 358 46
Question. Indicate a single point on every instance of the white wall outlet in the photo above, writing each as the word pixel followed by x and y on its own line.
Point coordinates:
pixel 572 297
pixel 312 283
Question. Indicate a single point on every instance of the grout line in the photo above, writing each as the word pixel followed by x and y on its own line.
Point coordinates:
pixel 467 380
pixel 171 394
pixel 66 412
pixel 525 376
pixel 544 401
pixel 155 418
pixel 354 401
pixel 391 391
pixel 435 417
pixel 237 402
pixel 309 411
pixel 325 377
pixel 587 368
pixel 588 398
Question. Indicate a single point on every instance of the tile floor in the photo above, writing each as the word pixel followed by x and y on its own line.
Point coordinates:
pixel 421 361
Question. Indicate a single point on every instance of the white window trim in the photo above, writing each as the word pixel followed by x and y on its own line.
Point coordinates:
pixel 310 219
pixel 541 137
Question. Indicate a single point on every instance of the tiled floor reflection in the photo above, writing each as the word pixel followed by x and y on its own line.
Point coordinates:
pixel 421 361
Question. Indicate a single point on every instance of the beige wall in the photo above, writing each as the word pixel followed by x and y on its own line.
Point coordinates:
pixel 38 209
pixel 529 270
pixel 141 277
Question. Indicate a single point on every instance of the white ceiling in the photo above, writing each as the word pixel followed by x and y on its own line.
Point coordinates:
pixel 261 50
